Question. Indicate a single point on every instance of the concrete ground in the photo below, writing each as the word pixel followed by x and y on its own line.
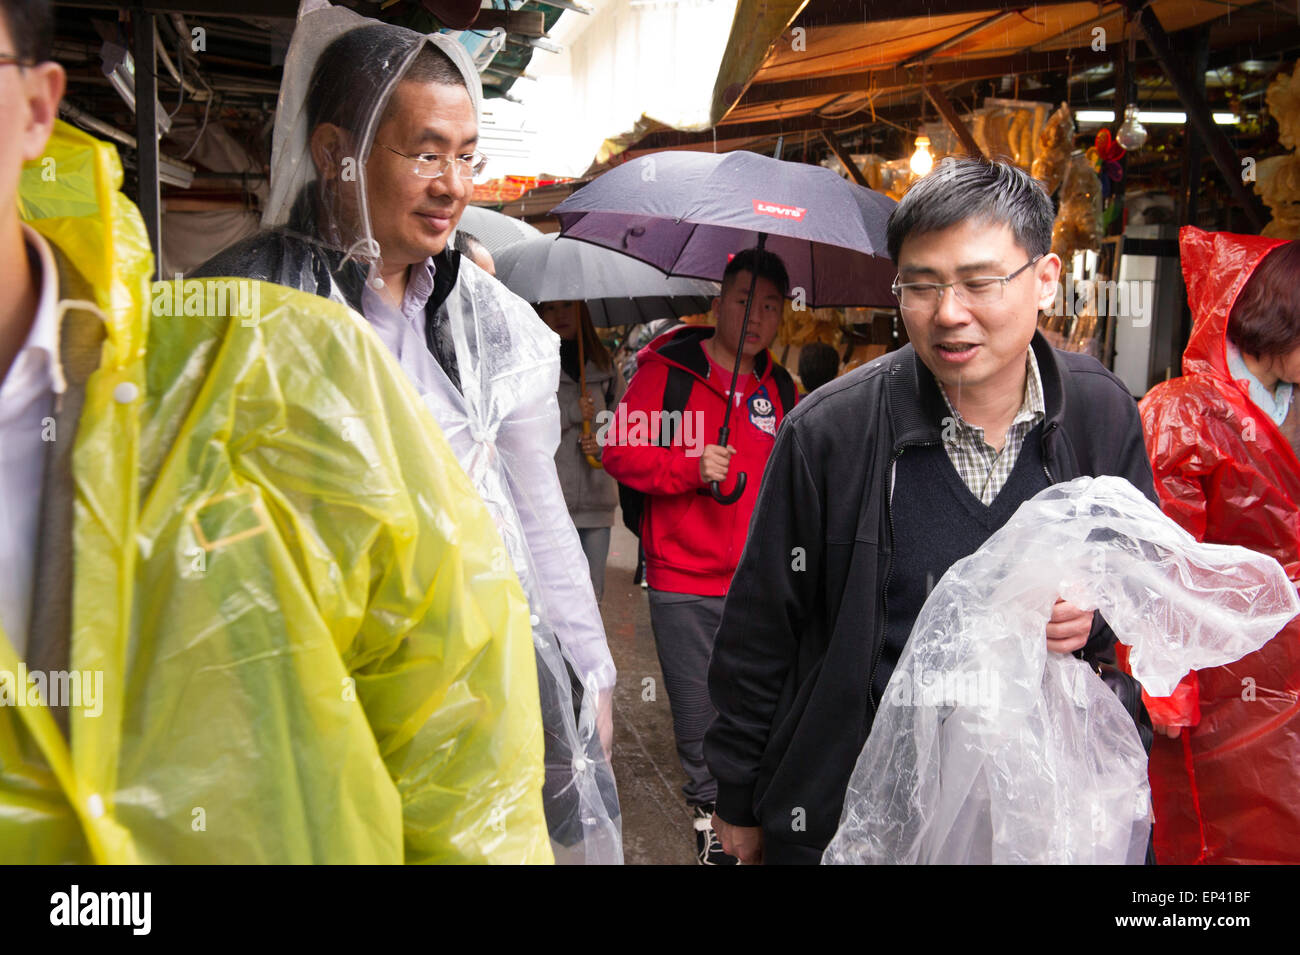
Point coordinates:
pixel 656 823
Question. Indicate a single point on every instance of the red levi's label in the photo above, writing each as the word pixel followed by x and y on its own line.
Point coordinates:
pixel 779 211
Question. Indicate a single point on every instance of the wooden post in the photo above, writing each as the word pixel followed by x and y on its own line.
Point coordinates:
pixel 946 110
pixel 843 156
pixel 1191 171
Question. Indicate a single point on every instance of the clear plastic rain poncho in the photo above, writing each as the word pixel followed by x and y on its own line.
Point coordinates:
pixel 502 423
pixel 988 748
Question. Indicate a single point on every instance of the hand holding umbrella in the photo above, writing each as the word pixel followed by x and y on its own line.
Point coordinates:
pixel 588 407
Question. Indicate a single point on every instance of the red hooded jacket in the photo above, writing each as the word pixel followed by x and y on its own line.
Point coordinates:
pixel 1227 790
pixel 692 543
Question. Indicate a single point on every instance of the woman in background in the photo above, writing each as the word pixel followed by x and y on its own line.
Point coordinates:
pixel 1223 441
pixel 592 495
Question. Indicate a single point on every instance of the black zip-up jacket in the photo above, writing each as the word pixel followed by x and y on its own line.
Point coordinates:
pixel 804 621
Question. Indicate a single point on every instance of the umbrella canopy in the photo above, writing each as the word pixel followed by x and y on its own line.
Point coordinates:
pixel 494 230
pixel 618 289
pixel 687 212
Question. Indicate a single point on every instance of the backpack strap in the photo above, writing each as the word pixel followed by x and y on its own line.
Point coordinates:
pixel 784 387
pixel 677 393
pixel 610 389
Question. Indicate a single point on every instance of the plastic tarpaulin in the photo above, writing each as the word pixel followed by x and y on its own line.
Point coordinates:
pixel 1224 789
pixel 987 747
pixel 311 642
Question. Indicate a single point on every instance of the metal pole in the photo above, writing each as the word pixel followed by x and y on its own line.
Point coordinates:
pixel 146 129
pixel 724 433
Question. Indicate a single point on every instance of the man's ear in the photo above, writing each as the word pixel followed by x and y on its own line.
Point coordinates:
pixel 1048 273
pixel 44 85
pixel 329 146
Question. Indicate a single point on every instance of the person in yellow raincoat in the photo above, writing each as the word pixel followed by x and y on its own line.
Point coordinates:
pixel 272 617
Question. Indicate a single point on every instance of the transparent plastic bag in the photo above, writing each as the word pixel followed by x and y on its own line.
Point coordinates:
pixel 987 747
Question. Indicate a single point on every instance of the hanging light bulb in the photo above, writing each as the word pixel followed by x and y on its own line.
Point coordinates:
pixel 922 160
pixel 1131 134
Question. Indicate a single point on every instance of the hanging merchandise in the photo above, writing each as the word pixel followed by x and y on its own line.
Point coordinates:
pixel 1078 220
pixel 989 748
pixel 799 326
pixel 1277 178
pixel 896 177
pixel 1104 154
pixel 1008 129
pixel 1052 154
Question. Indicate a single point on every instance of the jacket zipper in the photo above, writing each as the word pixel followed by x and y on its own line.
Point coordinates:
pixel 1043 444
pixel 1078 654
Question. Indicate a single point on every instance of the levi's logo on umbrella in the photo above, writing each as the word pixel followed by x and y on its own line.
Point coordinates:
pixel 779 211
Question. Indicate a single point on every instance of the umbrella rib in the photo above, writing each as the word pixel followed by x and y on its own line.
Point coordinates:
pixel 689 235
pixel 812 272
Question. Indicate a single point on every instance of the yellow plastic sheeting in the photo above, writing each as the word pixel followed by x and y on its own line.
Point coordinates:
pixel 312 647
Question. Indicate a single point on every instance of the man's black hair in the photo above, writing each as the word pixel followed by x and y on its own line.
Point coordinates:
pixel 818 364
pixel 991 193
pixel 353 70
pixel 765 264
pixel 468 243
pixel 31 25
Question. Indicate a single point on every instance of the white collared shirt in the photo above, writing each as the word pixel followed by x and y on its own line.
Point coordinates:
pixel 26 409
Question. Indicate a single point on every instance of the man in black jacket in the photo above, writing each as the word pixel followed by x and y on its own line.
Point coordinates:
pixel 881 481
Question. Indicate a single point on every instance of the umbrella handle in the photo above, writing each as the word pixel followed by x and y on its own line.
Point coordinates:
pixel 582 390
pixel 591 460
pixel 715 489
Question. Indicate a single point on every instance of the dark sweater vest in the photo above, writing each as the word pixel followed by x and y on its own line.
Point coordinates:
pixel 937 521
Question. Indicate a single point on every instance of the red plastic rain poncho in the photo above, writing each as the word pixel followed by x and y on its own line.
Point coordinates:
pixel 1225 790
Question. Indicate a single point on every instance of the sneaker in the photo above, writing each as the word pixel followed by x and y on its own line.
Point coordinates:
pixel 708 850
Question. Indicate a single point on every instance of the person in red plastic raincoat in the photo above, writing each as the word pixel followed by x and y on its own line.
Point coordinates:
pixel 1223 441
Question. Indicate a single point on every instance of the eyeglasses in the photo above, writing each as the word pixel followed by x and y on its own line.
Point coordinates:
pixel 980 290
pixel 435 165
pixel 13 59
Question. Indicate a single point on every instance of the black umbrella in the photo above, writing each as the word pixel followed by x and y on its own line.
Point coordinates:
pixel 687 213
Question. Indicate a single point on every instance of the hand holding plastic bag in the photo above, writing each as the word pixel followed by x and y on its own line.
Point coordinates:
pixel 988 748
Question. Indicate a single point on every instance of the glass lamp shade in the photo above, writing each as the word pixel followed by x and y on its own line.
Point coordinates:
pixel 1131 134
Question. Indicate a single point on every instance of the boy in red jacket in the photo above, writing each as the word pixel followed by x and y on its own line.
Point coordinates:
pixel 692 543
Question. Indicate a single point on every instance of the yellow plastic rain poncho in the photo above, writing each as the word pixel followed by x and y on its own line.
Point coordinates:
pixel 312 645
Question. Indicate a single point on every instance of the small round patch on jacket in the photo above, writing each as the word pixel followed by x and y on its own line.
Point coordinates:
pixel 762 413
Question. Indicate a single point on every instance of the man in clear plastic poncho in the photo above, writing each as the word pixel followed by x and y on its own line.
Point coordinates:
pixel 252 610
pixel 374 148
